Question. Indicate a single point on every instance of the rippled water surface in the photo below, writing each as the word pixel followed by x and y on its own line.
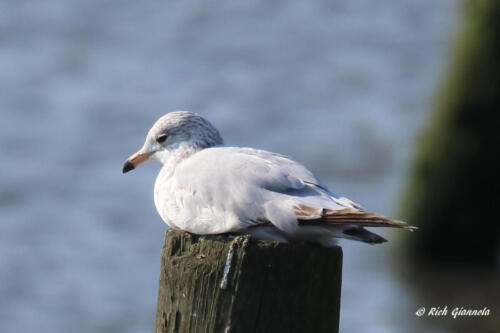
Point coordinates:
pixel 342 86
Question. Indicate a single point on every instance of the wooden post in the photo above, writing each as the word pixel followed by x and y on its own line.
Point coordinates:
pixel 238 284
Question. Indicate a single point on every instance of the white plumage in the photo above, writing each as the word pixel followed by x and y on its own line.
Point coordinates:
pixel 205 187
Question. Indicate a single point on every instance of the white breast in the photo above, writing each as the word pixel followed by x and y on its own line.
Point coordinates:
pixel 179 207
pixel 165 206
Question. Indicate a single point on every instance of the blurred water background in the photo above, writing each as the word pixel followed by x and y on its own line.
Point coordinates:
pixel 342 86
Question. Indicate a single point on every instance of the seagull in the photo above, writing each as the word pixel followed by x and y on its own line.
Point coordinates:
pixel 206 187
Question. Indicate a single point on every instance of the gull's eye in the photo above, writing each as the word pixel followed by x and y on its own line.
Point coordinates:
pixel 161 138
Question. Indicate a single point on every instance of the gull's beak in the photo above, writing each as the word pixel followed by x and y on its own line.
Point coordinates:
pixel 134 161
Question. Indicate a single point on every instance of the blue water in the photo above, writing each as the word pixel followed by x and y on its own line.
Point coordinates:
pixel 342 86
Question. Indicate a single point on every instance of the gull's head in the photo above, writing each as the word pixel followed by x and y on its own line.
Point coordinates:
pixel 182 130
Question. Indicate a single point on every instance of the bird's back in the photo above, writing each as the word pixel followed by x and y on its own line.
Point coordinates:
pixel 224 189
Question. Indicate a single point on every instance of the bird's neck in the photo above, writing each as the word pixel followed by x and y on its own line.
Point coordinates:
pixel 174 156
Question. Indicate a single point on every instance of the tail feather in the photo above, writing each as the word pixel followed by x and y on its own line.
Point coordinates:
pixel 361 234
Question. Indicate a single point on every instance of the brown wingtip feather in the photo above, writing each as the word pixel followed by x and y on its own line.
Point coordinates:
pixel 312 215
pixel 367 219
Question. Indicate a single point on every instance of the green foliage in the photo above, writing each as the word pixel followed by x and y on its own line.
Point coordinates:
pixel 454 185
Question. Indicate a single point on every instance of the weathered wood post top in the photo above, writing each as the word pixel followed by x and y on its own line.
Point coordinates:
pixel 239 284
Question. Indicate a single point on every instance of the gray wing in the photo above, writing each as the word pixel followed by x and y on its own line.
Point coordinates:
pixel 233 188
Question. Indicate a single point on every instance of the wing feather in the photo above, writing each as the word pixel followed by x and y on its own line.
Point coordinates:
pixel 314 216
pixel 230 188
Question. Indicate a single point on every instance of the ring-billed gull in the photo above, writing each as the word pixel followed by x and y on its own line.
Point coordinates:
pixel 206 187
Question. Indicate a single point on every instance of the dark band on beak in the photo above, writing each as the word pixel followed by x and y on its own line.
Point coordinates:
pixel 128 166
